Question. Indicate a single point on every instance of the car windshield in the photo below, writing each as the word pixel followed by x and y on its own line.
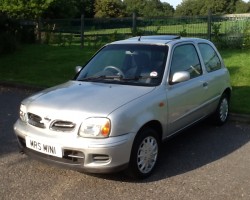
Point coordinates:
pixel 132 64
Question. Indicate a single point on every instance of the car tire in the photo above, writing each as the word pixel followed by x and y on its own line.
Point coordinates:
pixel 221 114
pixel 144 154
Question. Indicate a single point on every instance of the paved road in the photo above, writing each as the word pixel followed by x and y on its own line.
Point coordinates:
pixel 204 162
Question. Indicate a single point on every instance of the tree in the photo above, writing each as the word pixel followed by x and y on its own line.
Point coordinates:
pixel 19 9
pixel 148 8
pixel 61 9
pixel 242 7
pixel 168 9
pixel 197 7
pixel 86 7
pixel 154 8
pixel 33 9
pixel 109 8
pixel 189 8
pixel 221 6
pixel 133 6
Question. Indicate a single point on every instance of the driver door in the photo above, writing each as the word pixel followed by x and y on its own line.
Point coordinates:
pixel 185 99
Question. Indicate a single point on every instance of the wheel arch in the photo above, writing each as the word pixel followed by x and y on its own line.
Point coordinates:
pixel 228 92
pixel 154 124
pixel 133 169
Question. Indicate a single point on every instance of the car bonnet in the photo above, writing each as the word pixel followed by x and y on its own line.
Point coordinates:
pixel 86 97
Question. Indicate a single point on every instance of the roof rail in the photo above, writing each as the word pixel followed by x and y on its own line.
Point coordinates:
pixel 156 37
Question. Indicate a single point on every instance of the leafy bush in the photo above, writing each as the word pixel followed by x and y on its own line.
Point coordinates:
pixel 183 32
pixel 246 36
pixel 8 43
pixel 143 31
pixel 13 32
pixel 234 37
pixel 26 34
pixel 216 35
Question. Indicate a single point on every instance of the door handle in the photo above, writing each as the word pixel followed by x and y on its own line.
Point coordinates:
pixel 205 84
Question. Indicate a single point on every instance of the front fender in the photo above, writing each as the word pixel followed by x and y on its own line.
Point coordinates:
pixel 132 116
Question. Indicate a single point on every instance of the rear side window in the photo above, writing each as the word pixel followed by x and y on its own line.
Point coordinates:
pixel 210 57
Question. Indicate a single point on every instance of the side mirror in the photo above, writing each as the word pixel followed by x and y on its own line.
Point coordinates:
pixel 180 77
pixel 78 68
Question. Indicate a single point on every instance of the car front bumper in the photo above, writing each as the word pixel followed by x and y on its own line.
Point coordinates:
pixel 83 154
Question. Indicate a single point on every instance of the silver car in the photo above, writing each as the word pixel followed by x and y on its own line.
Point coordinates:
pixel 131 96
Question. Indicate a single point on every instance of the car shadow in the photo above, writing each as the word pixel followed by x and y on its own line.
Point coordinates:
pixel 241 98
pixel 10 99
pixel 199 146
pixel 196 147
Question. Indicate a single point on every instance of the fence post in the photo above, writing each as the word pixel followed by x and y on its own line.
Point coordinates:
pixel 209 25
pixel 134 24
pixel 82 30
pixel 38 31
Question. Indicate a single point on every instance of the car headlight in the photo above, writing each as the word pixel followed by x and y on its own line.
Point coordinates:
pixel 95 128
pixel 23 113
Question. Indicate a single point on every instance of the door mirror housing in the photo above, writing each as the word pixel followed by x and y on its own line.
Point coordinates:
pixel 78 68
pixel 180 77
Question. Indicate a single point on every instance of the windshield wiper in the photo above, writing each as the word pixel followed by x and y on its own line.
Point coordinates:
pixel 102 77
pixel 136 78
pixel 116 78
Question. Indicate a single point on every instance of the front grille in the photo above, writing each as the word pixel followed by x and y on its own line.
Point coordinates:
pixel 35 120
pixel 62 126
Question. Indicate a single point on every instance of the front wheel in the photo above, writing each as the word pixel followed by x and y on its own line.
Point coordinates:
pixel 144 154
pixel 222 111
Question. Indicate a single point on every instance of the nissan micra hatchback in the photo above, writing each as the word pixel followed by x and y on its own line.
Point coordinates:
pixel 131 96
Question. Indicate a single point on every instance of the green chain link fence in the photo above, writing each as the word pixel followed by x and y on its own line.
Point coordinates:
pixel 225 31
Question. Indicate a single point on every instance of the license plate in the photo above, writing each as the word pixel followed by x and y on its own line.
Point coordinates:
pixel 44 147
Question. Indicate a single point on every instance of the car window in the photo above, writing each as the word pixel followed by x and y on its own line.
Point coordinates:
pixel 185 58
pixel 133 64
pixel 104 59
pixel 210 57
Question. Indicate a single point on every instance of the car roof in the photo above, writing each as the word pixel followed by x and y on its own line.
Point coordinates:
pixel 158 39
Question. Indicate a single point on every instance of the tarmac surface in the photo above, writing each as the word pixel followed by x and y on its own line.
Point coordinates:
pixel 204 162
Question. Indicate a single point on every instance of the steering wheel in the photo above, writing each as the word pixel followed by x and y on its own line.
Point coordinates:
pixel 115 68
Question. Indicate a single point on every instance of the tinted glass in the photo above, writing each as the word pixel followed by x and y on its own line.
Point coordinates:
pixel 185 58
pixel 134 64
pixel 210 57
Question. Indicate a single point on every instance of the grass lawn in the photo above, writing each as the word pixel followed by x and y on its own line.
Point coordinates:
pixel 238 63
pixel 45 66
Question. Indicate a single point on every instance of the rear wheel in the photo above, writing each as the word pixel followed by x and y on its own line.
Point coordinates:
pixel 222 111
pixel 144 154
